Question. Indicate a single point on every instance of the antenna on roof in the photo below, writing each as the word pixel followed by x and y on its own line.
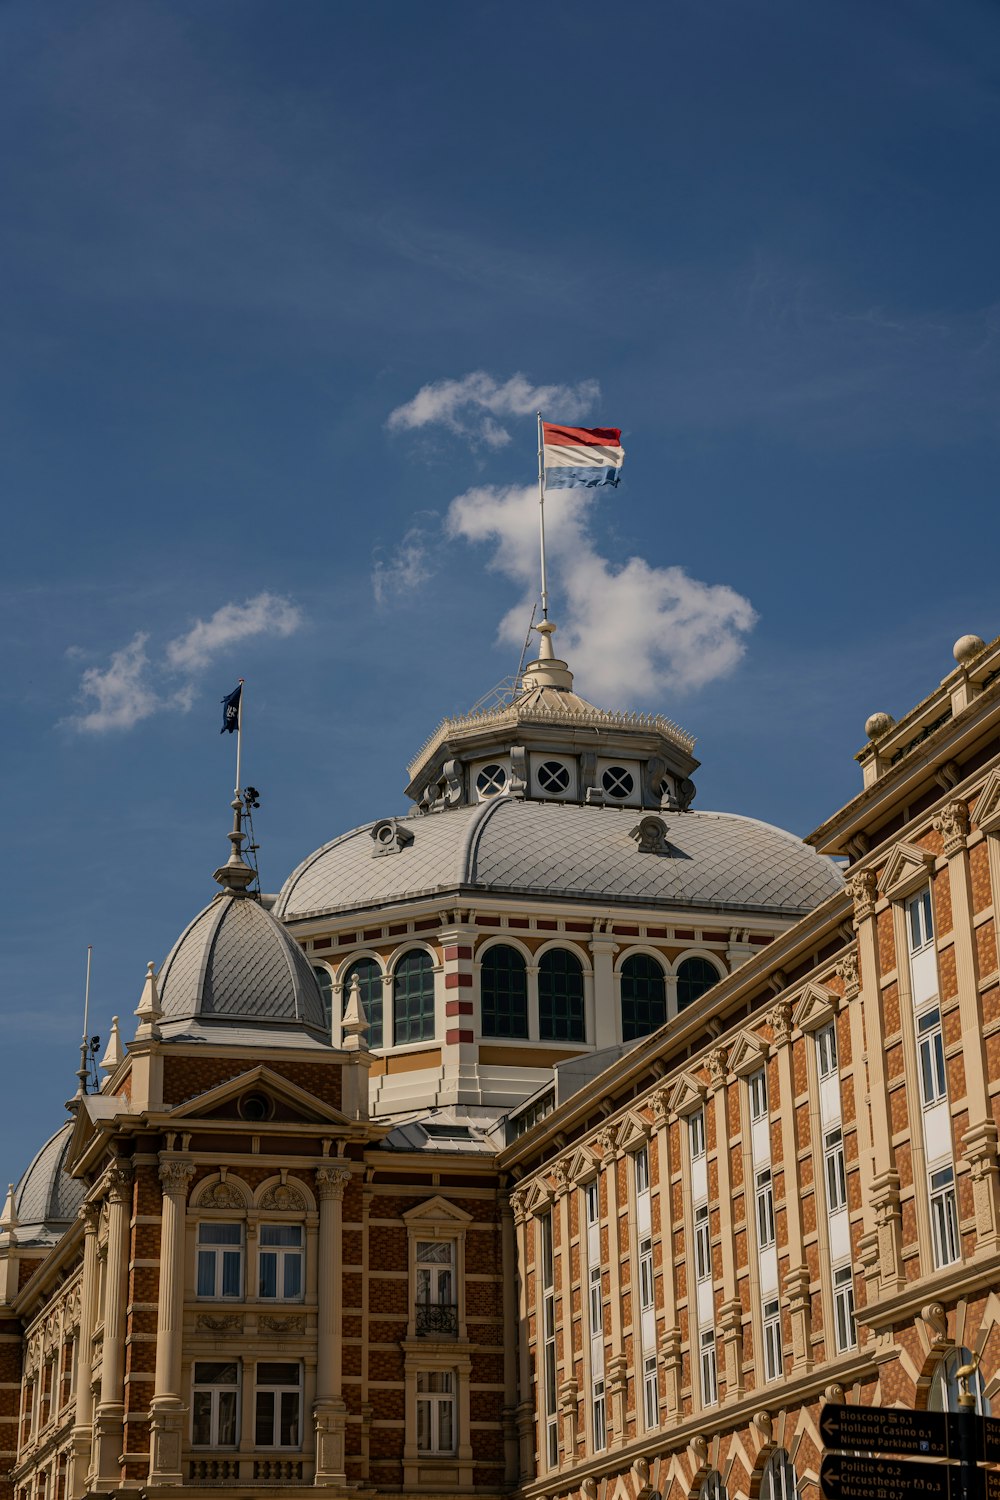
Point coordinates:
pixel 83 1072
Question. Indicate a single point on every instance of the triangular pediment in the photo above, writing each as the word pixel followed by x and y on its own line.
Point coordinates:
pixel 905 870
pixel 263 1079
pixel 816 1006
pixel 92 1119
pixel 633 1132
pixel 687 1095
pixel 439 1210
pixel 987 811
pixel 580 1165
pixel 537 1197
pixel 749 1052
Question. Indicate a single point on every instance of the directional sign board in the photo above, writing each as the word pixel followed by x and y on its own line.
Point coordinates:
pixel 849 1476
pixel 887 1429
pixel 991 1439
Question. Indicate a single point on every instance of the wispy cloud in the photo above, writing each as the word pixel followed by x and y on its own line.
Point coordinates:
pixel 630 632
pixel 132 687
pixel 404 572
pixel 472 406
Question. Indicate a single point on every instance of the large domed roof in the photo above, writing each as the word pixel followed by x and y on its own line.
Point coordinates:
pixel 46 1199
pixel 718 861
pixel 235 963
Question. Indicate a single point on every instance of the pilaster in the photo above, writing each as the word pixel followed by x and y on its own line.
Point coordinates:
pixel 166 1409
pixel 329 1408
pixel 797 1274
pixel 83 1428
pixel 110 1417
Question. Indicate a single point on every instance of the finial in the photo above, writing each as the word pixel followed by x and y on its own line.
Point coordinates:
pixel 8 1219
pixel 235 875
pixel 546 629
pixel 148 1010
pixel 967 648
pixel 547 670
pixel 355 1022
pixel 114 1054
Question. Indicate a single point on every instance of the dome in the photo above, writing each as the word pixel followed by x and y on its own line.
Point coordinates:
pixel 718 861
pixel 236 964
pixel 46 1199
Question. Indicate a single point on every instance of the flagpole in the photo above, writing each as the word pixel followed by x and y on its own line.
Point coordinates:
pixel 239 738
pixel 541 515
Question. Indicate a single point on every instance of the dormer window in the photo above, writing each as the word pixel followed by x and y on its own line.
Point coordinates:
pixel 553 777
pixel 491 781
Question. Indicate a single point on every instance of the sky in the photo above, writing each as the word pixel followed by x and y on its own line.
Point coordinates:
pixel 283 289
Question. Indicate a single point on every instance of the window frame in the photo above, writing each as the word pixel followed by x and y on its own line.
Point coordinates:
pixel 642 997
pixel 774 1354
pixel 373 1004
pixel 411 1020
pixel 697 1142
pixel 571 1025
pixel 283 1256
pixel 920 921
pixel 702 1243
pixel 217 1388
pixel 686 981
pixel 827 1051
pixel 217 1254
pixel 434 1402
pixel 764 1216
pixel 844 1319
pixel 650 1393
pixel 931 1062
pixel 757 1095
pixel 834 1169
pixel 708 1367
pixel 278 1389
pixel 509 1006
pixel 945 1230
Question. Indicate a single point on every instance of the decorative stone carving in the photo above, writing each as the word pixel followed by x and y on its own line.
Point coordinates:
pixel 764 1427
pixel 861 889
pixel 223 1323
pixel 120 1181
pixel 847 969
pixel 389 836
pixel 175 1176
pixel 952 823
pixel 89 1215
pixel 833 1395
pixel 660 1104
pixel 283 1198
pixel 331 1181
pixel 781 1024
pixel 606 1141
pixel 934 1316
pixel 716 1062
pixel 222 1195
pixel 588 1488
pixel 650 834
pixel 273 1324
pixel 698 1448
pixel 562 1179
pixel 517 1204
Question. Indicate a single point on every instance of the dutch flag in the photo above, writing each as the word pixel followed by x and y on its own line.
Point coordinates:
pixel 581 455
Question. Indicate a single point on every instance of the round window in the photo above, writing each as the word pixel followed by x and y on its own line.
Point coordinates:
pixel 617 782
pixel 491 781
pixel 256 1107
pixel 553 777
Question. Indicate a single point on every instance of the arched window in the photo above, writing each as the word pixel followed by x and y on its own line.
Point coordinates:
pixel 644 996
pixel 413 998
pixel 325 983
pixel 778 1481
pixel 369 977
pixel 503 992
pixel 712 1487
pixel 945 1389
pixel 694 977
pixel 560 997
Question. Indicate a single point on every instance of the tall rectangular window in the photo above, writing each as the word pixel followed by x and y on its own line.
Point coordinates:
pixel 757 1089
pixel 835 1169
pixel 944 1216
pixel 436 1310
pixel 843 1309
pixel 549 1343
pixel 773 1362
pixel 436 1411
pixel 596 1306
pixel 641 1171
pixel 826 1050
pixel 650 1394
pixel 709 1370
pixel 930 1053
pixel 280 1262
pixel 278 1405
pixel 696 1134
pixel 702 1243
pixel 215 1403
pixel 920 920
pixel 592 1196
pixel 220 1260
pixel 599 1416
pixel 764 1194
pixel 645 1274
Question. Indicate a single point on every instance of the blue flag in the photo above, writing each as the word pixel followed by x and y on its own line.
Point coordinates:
pixel 231 711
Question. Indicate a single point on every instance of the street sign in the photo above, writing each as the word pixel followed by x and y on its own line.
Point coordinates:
pixel 887 1429
pixel 992 1483
pixel 850 1476
pixel 991 1439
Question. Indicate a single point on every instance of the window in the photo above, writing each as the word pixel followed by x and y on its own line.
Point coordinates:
pixel 764 1194
pixel 503 991
pixel 757 1090
pixel 650 1395
pixel 617 782
pixel 641 1160
pixel 645 1274
pixel 596 1304
pixel 220 1260
pixel 592 1195
pixel 778 1481
pixel 214 1404
pixel 491 781
pixel 644 996
pixel 773 1362
pixel 709 1372
pixel 835 1170
pixel 437 1306
pixel 436 1411
pixel 712 1487
pixel 843 1309
pixel 369 977
pixel 944 1216
pixel 694 977
pixel 325 982
pixel 920 921
pixel 945 1389
pixel 930 1053
pixel 826 1050
pixel 413 998
pixel 549 1343
pixel 280 1262
pixel 696 1134
pixel 553 777
pixel 560 997
pixel 278 1406
pixel 702 1243
pixel 599 1416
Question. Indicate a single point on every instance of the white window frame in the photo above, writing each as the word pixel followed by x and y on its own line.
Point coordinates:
pixel 774 1360
pixel 599 1417
pixel 650 1393
pixel 945 1235
pixel 930 1056
pixel 646 1293
pixel 640 1164
pixel 592 1197
pixel 834 1169
pixel 216 1256
pixel 549 1366
pixel 431 1403
pixel 702 1243
pixel 827 1054
pixel 696 1134
pixel 843 1309
pixel 709 1368
pixel 757 1095
pixel 216 1389
pixel 920 921
pixel 595 1302
pixel 764 1208
pixel 283 1256
pixel 277 1389
pixel 435 1285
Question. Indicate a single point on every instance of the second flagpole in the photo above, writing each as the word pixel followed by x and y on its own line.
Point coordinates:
pixel 541 515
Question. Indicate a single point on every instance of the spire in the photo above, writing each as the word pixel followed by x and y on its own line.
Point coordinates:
pixel 114 1053
pixel 355 1022
pixel 148 1010
pixel 547 670
pixel 8 1219
pixel 235 875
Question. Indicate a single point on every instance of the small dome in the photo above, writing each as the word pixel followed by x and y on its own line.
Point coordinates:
pixel 235 963
pixel 46 1199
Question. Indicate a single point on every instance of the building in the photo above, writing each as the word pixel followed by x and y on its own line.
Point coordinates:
pixel 556 1139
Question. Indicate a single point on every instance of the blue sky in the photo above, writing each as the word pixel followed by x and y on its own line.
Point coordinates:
pixel 237 238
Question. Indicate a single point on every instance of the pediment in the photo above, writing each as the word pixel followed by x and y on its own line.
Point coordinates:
pixel 749 1053
pixel 437 1210
pixel 92 1122
pixel 987 811
pixel 263 1079
pixel 633 1132
pixel 906 869
pixel 688 1094
pixel 815 1007
pixel 581 1165
pixel 537 1197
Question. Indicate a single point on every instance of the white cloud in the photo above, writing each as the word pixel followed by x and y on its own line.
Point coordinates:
pixel 630 633
pixel 471 406
pixel 410 566
pixel 264 614
pixel 122 693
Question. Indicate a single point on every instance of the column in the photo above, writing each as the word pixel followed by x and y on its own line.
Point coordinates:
pixel 330 1410
pixel 166 1410
pixel 731 1311
pixel 615 1367
pixel 668 1335
pixel 508 1252
pixel 525 1402
pixel 796 1278
pixel 111 1406
pixel 568 1390
pixel 607 1027
pixel 83 1427
pixel 979 1143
